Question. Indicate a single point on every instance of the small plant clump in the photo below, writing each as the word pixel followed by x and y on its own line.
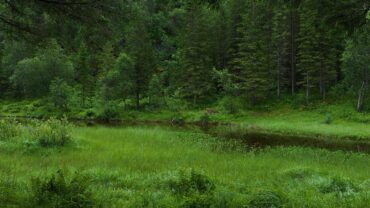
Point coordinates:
pixel 195 189
pixel 340 187
pixel 204 120
pixel 59 192
pixel 9 129
pixel 51 133
pixel 328 119
pixel 266 199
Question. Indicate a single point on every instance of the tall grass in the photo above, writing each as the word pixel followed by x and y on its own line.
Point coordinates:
pixel 158 167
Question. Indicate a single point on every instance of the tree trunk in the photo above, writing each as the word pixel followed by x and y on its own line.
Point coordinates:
pixel 361 94
pixel 292 43
pixel 307 88
pixel 321 82
pixel 278 76
pixel 137 100
pixel 83 97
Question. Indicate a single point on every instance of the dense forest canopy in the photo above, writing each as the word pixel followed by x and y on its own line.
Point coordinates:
pixel 164 52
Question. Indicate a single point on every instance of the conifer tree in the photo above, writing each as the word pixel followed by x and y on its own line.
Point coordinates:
pixel 254 56
pixel 309 55
pixel 236 10
pixel 140 49
pixel 195 78
pixel 84 72
pixel 280 40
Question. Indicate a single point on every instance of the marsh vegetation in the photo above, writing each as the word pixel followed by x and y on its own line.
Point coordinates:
pixel 167 167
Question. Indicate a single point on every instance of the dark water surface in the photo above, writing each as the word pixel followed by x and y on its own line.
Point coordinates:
pixel 251 138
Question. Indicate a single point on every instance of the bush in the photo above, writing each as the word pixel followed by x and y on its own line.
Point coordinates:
pixel 108 112
pixel 204 120
pixel 328 119
pixel 189 182
pixel 339 186
pixel 194 189
pixel 60 94
pixel 175 103
pixel 51 133
pixel 231 105
pixel 12 194
pixel 59 192
pixel 266 199
pixel 9 129
pixel 178 119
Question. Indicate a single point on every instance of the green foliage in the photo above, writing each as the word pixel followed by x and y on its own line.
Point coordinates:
pixel 328 119
pixel 195 189
pixel 272 177
pixel 34 75
pixel 204 120
pixel 194 78
pixel 84 73
pixel 340 187
pixel 13 193
pixel 9 129
pixel 266 199
pixel 356 66
pixel 191 182
pixel 58 191
pixel 51 133
pixel 119 82
pixel 156 92
pixel 61 94
pixel 178 119
pixel 175 103
pixel 231 105
pixel 140 48
pixel 108 111
pixel 253 57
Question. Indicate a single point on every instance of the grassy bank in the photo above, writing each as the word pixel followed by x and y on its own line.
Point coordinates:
pixel 156 167
pixel 332 121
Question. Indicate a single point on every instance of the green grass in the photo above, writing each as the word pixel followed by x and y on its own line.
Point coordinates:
pixel 134 167
pixel 345 122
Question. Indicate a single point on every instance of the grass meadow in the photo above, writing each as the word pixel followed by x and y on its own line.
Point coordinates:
pixel 162 167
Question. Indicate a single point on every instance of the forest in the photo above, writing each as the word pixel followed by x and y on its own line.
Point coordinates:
pixel 184 103
pixel 157 54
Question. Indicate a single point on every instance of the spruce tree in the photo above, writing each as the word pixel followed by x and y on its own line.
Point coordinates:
pixel 84 74
pixel 194 78
pixel 254 57
pixel 140 49
pixel 280 41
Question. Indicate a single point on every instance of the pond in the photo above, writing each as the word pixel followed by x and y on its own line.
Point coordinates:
pixel 248 136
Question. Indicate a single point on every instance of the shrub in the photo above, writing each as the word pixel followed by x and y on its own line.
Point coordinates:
pixel 60 94
pixel 266 199
pixel 11 194
pixel 231 105
pixel 9 129
pixel 108 112
pixel 51 133
pixel 204 120
pixel 59 192
pixel 156 92
pixel 193 189
pixel 178 119
pixel 189 182
pixel 339 186
pixel 328 119
pixel 300 173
